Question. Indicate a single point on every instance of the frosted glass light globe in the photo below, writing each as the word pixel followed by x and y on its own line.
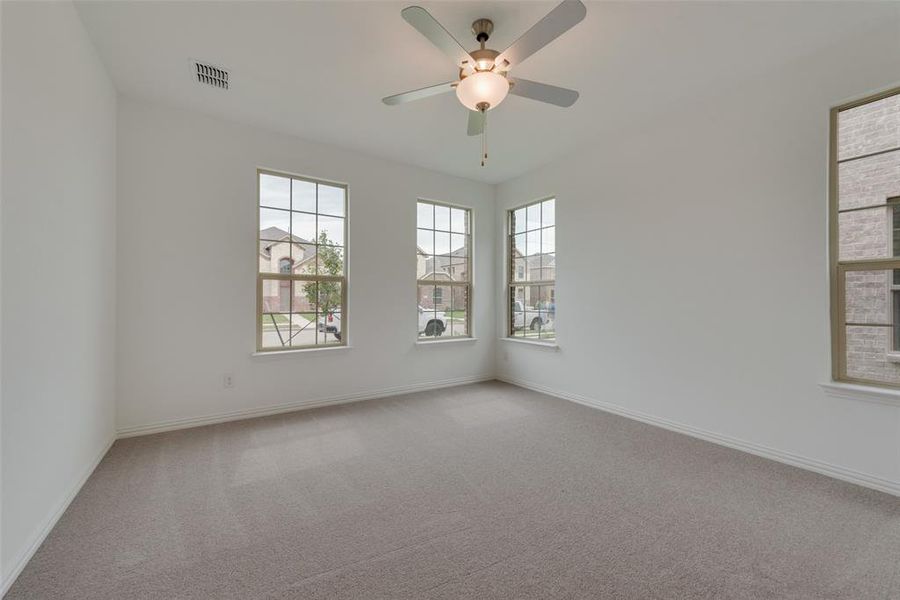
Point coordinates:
pixel 482 86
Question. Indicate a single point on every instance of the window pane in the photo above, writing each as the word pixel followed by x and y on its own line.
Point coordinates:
pixel 458 269
pixel 519 272
pixel 423 265
pixel 303 195
pixel 276 330
pixel 441 243
pixel 304 256
pixel 866 354
pixel 331 200
pixel 518 224
pixel 274 224
pixel 333 230
pixel 276 296
pixel 329 312
pixel 303 226
pixel 548 240
pixel 429 324
pixel 533 216
pixel 441 217
pixel 425 215
pixel 272 256
pixel 547 312
pixel 548 268
pixel 868 181
pixel 548 213
pixel 516 310
pixel 330 260
pixel 866 129
pixel 425 241
pixel 458 220
pixel 533 244
pixel 458 244
pixel 274 191
pixel 519 245
pixel 457 317
pixel 303 329
pixel 867 297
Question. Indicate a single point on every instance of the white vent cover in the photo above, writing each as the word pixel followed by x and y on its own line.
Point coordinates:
pixel 211 75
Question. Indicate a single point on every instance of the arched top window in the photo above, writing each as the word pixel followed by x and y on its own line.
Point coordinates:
pixel 284 266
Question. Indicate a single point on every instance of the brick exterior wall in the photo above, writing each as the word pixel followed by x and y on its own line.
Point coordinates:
pixel 868 233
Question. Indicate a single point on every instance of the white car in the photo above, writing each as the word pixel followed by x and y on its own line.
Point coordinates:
pixel 331 323
pixel 543 317
pixel 431 323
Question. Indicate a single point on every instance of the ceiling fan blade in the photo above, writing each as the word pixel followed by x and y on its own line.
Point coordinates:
pixel 476 122
pixel 428 26
pixel 558 21
pixel 543 92
pixel 432 90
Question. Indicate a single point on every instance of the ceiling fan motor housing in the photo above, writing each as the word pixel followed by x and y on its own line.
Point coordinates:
pixel 482 29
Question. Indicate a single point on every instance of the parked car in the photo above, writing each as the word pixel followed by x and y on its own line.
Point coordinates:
pixel 431 323
pixel 331 323
pixel 543 317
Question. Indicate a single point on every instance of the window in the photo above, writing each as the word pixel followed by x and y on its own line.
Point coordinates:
pixel 301 278
pixel 865 240
pixel 443 270
pixel 532 271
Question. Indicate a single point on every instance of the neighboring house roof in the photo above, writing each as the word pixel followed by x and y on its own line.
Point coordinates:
pixel 275 235
pixel 443 275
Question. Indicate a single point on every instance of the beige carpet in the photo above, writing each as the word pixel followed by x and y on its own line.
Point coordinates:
pixel 483 491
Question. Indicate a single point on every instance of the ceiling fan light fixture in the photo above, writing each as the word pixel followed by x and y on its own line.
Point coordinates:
pixel 482 87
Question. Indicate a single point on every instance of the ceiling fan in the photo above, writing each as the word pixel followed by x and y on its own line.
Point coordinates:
pixel 484 79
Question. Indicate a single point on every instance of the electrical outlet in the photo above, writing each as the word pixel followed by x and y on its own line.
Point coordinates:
pixel 227 381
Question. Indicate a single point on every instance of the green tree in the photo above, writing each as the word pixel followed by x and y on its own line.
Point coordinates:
pixel 327 294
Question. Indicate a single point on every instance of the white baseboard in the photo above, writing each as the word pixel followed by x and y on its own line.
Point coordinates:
pixel 50 522
pixel 817 466
pixel 237 415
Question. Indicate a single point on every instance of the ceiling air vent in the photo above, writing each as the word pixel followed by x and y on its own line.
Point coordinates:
pixel 211 75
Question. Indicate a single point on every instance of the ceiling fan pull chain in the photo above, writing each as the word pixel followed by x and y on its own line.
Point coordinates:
pixel 484 139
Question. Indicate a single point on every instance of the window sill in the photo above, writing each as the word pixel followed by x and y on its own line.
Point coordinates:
pixel 544 345
pixel 865 393
pixel 893 357
pixel 300 351
pixel 440 342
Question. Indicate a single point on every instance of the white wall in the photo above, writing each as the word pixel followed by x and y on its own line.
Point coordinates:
pixel 58 268
pixel 692 266
pixel 187 272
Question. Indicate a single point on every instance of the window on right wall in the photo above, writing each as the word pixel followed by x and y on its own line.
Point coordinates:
pixel 531 289
pixel 865 240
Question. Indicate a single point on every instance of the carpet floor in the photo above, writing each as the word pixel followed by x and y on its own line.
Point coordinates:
pixel 482 491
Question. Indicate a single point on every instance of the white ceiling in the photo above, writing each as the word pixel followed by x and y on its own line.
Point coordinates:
pixel 319 69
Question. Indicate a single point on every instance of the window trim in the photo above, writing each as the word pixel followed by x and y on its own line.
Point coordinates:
pixel 343 279
pixel 838 268
pixel 470 296
pixel 510 269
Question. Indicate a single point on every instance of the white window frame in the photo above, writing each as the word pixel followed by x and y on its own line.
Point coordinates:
pixel 468 284
pixel 343 279
pixel 511 283
pixel 839 268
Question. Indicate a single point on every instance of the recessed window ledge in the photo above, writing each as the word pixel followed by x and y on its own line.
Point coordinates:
pixel 442 341
pixel 866 393
pixel 300 351
pixel 536 343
